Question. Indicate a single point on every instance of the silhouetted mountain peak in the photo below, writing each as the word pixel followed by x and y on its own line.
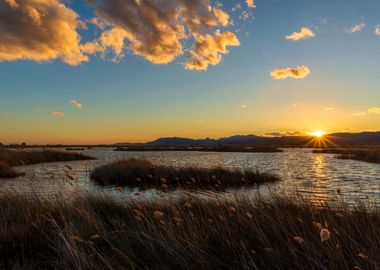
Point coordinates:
pixel 337 138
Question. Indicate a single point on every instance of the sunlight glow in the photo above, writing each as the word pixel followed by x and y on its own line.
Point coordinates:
pixel 318 133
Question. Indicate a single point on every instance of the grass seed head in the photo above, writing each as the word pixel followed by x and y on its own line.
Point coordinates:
pixel 325 235
pixel 158 214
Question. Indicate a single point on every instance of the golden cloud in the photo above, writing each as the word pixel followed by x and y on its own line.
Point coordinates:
pixel 356 28
pixel 296 73
pixel 377 30
pixel 159 31
pixel 305 33
pixel 39 30
pixel 156 30
pixel 250 3
pixel 208 50
pixel 285 133
pixel 372 110
pixel 57 114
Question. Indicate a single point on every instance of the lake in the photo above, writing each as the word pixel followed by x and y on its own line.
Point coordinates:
pixel 320 177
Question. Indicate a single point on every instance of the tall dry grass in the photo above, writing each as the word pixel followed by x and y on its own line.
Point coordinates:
pixel 6 171
pixel 366 153
pixel 186 233
pixel 144 174
pixel 369 155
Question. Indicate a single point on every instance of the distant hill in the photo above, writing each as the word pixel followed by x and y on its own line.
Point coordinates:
pixel 356 138
pixel 336 138
pixel 182 141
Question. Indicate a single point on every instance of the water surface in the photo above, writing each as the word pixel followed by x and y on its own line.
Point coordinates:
pixel 321 177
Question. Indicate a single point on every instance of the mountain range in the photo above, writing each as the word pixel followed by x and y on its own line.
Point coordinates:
pixel 330 139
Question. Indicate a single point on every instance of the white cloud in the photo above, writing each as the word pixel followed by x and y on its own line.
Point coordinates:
pixel 305 33
pixel 299 72
pixel 236 7
pixel 76 103
pixel 356 28
pixel 245 15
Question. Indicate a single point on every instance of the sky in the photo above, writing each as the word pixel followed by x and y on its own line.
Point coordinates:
pixel 106 71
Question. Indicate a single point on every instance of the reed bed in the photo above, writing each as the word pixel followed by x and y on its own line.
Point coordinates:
pixel 337 150
pixel 368 154
pixel 9 158
pixel 6 171
pixel 186 233
pixel 144 174
pixel 18 158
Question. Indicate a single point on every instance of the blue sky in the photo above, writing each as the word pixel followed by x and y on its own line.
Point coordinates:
pixel 136 100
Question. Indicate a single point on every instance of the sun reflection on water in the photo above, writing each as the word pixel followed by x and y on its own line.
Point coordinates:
pixel 319 164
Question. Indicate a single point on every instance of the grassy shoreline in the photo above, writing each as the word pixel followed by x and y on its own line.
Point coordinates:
pixel 187 233
pixel 371 155
pixel 7 171
pixel 10 158
pixel 144 174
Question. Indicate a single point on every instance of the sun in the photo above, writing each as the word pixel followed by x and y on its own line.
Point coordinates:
pixel 318 133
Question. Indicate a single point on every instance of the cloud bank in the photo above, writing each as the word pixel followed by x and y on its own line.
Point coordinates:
pixel 305 33
pixel 158 30
pixel 39 30
pixel 296 73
